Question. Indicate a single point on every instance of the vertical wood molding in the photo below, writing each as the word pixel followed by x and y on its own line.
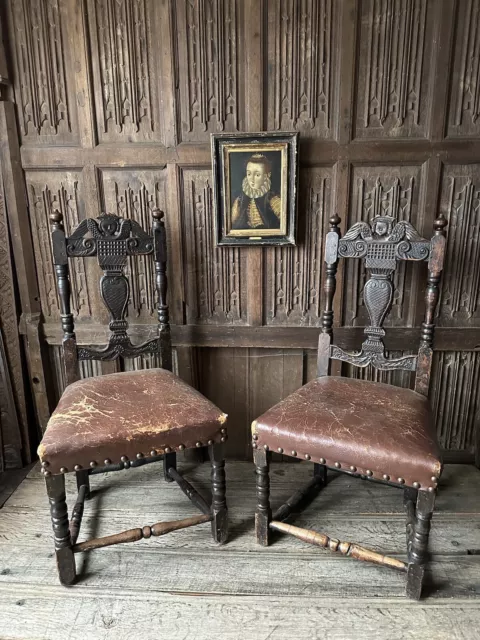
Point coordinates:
pixel 176 249
pixel 254 37
pixel 442 53
pixel 78 43
pixel 167 95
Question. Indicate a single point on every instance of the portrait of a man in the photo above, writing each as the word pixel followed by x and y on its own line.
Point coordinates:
pixel 257 206
pixel 254 187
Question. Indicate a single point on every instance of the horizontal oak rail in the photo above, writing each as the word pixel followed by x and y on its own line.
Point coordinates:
pixel 397 339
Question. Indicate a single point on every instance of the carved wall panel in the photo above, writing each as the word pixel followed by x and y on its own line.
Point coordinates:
pixel 116 100
pixel 43 71
pixel 455 398
pixel 295 274
pixel 210 78
pixel 215 278
pixel 393 85
pixel 135 193
pixel 464 111
pixel 302 83
pixel 460 203
pixel 125 53
pixel 392 191
pixel 48 191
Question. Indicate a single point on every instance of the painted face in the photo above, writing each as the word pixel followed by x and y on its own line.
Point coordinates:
pixel 255 174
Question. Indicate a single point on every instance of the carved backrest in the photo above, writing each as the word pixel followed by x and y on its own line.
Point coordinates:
pixel 112 240
pixel 382 244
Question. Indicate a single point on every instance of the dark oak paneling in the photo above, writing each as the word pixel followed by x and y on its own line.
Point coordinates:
pixel 116 100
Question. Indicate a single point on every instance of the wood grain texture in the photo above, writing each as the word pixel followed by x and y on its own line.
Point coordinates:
pixel 238 586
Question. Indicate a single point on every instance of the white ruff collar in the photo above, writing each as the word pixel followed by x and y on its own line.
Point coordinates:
pixel 256 193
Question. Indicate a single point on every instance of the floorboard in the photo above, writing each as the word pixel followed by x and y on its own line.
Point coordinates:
pixel 184 586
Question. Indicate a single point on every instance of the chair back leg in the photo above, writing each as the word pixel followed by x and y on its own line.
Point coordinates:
pixel 219 503
pixel 169 461
pixel 263 513
pixel 83 478
pixel 61 531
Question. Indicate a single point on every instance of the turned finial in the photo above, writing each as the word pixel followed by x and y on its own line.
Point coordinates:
pixel 158 214
pixel 440 223
pixel 334 221
pixel 56 217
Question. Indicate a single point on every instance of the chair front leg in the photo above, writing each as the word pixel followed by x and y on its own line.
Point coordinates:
pixel 263 513
pixel 59 514
pixel 219 503
pixel 418 544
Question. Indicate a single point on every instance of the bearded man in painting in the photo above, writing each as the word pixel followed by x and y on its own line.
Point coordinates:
pixel 257 207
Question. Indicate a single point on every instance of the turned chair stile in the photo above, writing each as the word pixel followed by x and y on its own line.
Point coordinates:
pixel 123 420
pixel 375 431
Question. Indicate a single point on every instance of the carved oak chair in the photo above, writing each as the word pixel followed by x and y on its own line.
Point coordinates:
pixel 373 430
pixel 123 420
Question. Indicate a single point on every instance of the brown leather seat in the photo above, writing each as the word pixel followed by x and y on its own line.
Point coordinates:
pixel 127 415
pixel 369 428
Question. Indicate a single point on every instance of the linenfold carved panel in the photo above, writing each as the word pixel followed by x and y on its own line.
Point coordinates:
pixel 294 275
pixel 43 71
pixel 464 113
pixel 134 194
pixel 387 191
pixel 302 40
pixel 125 51
pixel 47 192
pixel 455 397
pixel 209 77
pixel 214 277
pixel 393 80
pixel 460 203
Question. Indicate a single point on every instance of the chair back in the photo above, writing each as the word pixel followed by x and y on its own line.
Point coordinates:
pixel 112 240
pixel 382 244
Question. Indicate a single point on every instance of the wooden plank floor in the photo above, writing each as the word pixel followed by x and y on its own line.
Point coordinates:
pixel 184 586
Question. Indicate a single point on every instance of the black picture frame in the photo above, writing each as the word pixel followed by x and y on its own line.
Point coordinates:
pixel 255 188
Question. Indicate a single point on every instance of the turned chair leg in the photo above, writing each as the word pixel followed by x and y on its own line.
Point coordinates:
pixel 169 460
pixel 263 513
pixel 59 514
pixel 83 478
pixel 418 544
pixel 219 503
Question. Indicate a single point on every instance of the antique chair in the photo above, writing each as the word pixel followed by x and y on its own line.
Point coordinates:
pixel 123 420
pixel 368 429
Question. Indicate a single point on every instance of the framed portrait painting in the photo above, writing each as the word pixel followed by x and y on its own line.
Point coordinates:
pixel 255 187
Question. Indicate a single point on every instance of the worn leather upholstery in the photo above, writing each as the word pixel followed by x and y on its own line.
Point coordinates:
pixel 127 415
pixel 370 428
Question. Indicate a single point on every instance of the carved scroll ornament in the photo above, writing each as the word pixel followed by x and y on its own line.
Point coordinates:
pixel 381 244
pixel 112 239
